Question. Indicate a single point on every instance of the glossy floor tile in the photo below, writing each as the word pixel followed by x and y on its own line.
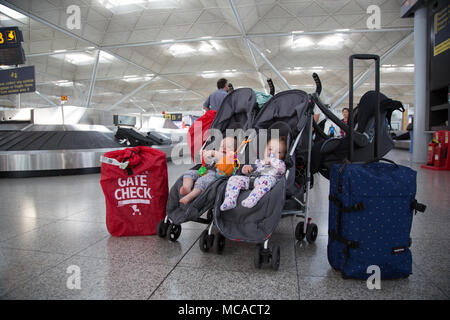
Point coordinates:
pixel 48 226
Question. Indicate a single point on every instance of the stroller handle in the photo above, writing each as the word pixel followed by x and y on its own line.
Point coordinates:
pixel 318 83
pixel 330 115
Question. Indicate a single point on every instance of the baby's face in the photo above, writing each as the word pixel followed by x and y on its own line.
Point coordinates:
pixel 227 145
pixel 277 148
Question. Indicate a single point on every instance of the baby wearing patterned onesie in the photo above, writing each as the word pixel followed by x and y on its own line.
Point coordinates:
pixel 269 171
pixel 191 178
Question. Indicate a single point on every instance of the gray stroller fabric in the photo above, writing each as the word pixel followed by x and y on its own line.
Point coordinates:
pixel 257 224
pixel 179 213
pixel 250 225
pixel 236 111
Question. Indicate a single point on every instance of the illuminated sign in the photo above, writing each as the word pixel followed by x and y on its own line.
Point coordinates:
pixel 17 80
pixel 11 52
pixel 174 116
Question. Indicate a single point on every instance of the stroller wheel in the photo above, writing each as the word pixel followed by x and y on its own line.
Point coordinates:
pixel 210 240
pixel 203 241
pixel 299 234
pixel 174 232
pixel 219 243
pixel 257 259
pixel 275 258
pixel 162 228
pixel 209 216
pixel 311 233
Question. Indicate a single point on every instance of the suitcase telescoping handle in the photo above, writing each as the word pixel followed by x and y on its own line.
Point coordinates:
pixel 376 58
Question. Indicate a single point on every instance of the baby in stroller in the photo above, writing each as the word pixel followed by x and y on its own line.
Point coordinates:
pixel 192 178
pixel 268 172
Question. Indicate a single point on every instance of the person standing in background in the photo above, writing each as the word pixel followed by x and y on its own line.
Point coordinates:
pixel 345 113
pixel 196 137
pixel 215 99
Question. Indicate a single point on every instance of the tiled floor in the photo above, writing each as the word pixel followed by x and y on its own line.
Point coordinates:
pixel 49 224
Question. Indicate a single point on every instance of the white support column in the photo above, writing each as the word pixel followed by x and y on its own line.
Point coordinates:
pixel 93 78
pixel 420 138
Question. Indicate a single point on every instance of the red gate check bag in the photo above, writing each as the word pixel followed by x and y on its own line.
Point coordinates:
pixel 135 184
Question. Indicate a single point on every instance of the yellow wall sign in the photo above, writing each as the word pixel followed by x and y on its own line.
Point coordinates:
pixel 10 36
pixel 174 116
pixel 17 80
pixel 442 31
pixel 63 98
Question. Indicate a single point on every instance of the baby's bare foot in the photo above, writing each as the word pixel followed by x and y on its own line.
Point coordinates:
pixel 185 200
pixel 184 190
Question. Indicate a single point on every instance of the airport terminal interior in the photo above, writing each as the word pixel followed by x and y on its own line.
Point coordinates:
pixel 84 81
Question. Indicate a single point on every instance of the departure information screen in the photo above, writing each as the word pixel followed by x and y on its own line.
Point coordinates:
pixel 11 51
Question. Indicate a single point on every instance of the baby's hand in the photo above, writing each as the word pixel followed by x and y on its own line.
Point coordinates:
pixel 247 169
pixel 209 153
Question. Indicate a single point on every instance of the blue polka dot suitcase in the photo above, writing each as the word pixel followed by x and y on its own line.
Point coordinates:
pixel 370 216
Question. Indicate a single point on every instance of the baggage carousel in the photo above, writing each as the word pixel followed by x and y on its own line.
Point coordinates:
pixel 43 150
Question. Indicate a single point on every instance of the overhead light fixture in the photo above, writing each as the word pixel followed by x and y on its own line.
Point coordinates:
pixel 333 41
pixel 342 30
pixel 106 57
pixel 180 49
pixel 209 74
pixel 77 58
pixel 206 48
pixel 301 42
pixel 10 13
pixel 268 51
pixel 63 83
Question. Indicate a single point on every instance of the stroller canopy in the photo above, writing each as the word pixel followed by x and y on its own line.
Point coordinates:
pixel 289 107
pixel 236 110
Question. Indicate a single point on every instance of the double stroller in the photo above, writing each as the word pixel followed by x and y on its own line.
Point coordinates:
pixel 291 112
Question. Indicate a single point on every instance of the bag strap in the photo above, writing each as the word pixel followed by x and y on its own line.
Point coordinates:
pixel 417 206
pixel 114 162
